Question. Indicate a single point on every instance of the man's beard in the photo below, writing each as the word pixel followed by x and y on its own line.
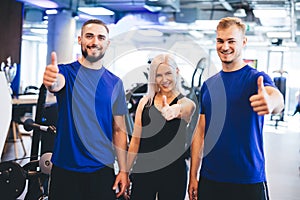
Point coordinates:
pixel 91 59
pixel 228 62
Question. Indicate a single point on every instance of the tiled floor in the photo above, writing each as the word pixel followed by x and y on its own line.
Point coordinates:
pixel 282 148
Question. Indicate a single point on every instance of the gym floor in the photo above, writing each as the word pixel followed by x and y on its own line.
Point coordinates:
pixel 282 150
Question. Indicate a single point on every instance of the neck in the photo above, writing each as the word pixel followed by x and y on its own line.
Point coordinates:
pixel 169 95
pixel 230 67
pixel 91 65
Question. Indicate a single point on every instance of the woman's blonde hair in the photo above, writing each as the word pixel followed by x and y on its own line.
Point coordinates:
pixel 152 86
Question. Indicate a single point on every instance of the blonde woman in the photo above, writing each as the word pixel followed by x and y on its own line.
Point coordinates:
pixel 156 151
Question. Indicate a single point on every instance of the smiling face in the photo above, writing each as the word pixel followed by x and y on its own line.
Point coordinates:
pixel 165 78
pixel 94 42
pixel 230 42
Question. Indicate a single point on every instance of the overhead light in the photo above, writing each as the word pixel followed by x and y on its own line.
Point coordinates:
pixel 96 11
pixel 42 3
pixel 268 13
pixel 196 34
pixel 240 13
pixel 51 12
pixel 39 31
pixel 276 34
pixel 153 8
pixel 32 38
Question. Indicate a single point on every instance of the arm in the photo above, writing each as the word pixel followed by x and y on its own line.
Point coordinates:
pixel 120 144
pixel 184 109
pixel 53 80
pixel 196 157
pixel 136 135
pixel 187 109
pixel 267 100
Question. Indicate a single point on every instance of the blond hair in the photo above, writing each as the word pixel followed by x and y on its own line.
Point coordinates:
pixel 227 22
pixel 152 86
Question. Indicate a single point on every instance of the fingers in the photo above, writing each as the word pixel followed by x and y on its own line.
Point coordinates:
pixel 259 101
pixel 51 71
pixel 120 184
pixel 164 101
pixel 53 58
pixel 193 195
pixel 260 84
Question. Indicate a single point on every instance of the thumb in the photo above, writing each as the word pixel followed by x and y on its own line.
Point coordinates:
pixel 260 84
pixel 164 101
pixel 53 58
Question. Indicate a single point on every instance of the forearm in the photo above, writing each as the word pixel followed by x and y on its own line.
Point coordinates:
pixel 134 145
pixel 186 109
pixel 197 147
pixel 120 143
pixel 276 100
pixel 132 152
pixel 196 158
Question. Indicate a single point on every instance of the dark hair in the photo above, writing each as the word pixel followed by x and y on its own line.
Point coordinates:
pixel 230 21
pixel 95 21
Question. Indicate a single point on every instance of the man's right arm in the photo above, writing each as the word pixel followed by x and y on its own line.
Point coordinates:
pixel 53 80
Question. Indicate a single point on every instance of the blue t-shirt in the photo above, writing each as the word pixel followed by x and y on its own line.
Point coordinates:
pixel 86 106
pixel 233 133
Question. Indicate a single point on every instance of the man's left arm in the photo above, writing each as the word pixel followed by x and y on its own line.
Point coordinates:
pixel 120 146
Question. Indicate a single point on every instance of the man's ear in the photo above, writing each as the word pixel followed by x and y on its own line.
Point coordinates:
pixel 79 40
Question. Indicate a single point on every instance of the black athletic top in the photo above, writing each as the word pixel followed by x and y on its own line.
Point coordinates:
pixel 162 142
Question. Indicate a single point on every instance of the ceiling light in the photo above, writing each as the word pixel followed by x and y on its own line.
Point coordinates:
pixel 42 3
pixel 51 12
pixel 279 13
pixel 39 31
pixel 240 13
pixel 32 38
pixel 279 34
pixel 153 8
pixel 96 11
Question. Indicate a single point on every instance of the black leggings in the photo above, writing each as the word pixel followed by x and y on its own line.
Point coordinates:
pixel 211 190
pixel 69 185
pixel 168 183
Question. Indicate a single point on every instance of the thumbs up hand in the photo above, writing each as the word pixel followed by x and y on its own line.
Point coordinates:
pixel 169 112
pixel 259 101
pixel 51 72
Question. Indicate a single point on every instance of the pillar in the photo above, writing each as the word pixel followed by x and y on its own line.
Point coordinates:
pixel 61 34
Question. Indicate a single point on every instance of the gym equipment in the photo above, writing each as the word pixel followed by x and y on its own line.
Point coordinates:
pixel 13 177
pixel 280 83
pixel 45 163
pixel 12 180
pixel 201 65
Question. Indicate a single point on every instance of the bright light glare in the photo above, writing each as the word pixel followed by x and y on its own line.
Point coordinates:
pixel 42 3
pixel 270 13
pixel 51 12
pixel 96 11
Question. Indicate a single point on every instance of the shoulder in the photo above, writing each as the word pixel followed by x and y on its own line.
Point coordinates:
pixel 143 101
pixel 74 66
